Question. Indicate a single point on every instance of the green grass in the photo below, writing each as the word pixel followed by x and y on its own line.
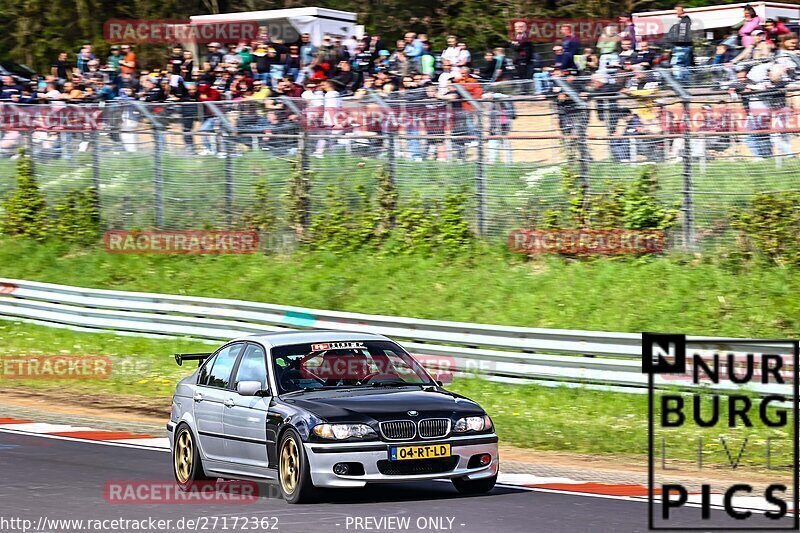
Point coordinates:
pixel 677 294
pixel 576 420
pixel 140 366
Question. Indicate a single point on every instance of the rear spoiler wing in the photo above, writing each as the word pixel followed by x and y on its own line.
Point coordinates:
pixel 199 357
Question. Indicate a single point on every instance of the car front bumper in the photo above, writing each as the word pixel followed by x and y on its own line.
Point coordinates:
pixel 322 457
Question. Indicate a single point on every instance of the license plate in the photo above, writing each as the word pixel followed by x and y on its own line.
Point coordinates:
pixel 428 451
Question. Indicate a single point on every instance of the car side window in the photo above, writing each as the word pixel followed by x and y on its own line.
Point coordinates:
pixel 202 378
pixel 220 374
pixel 253 366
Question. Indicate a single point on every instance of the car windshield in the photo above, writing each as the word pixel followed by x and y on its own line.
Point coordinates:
pixel 339 365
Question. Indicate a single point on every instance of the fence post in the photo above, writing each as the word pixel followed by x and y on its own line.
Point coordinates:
pixel 480 166
pixel 95 141
pixel 688 187
pixel 158 184
pixel 227 130
pixel 481 176
pixel 159 177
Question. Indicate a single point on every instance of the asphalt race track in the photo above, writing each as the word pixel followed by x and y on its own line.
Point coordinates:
pixel 61 479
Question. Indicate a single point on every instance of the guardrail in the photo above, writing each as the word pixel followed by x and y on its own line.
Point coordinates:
pixel 500 352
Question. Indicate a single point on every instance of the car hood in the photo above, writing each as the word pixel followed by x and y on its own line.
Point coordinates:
pixel 383 404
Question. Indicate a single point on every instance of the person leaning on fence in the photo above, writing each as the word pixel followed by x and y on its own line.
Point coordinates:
pixel 780 111
pixel 757 50
pixel 563 61
pixel 789 55
pixel 331 105
pixel 622 149
pixel 501 115
pixel 712 121
pixel 211 122
pixel 606 107
pixel 188 109
pixel 671 146
pixel 588 63
pixel 569 115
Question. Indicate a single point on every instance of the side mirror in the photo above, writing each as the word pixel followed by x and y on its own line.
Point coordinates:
pixel 248 388
pixel 439 383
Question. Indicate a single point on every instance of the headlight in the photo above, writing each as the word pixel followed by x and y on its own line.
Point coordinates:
pixel 473 423
pixel 344 431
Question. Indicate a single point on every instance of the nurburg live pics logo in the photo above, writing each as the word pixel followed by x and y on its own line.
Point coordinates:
pixel 731 386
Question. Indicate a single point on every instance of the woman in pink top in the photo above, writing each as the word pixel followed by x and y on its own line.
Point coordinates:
pixel 751 23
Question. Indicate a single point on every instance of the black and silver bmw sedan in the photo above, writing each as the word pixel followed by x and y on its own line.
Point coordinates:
pixel 325 409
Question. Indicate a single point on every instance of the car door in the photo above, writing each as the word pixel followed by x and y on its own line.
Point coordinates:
pixel 209 400
pixel 245 417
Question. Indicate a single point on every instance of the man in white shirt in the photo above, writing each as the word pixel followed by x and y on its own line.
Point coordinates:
pixel 332 121
pixel 464 56
pixel 445 77
pixel 452 52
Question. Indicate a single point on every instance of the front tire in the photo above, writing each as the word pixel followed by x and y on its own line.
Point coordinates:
pixel 294 473
pixel 186 464
pixel 476 486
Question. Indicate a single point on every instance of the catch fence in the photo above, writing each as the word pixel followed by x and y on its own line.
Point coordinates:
pixel 178 165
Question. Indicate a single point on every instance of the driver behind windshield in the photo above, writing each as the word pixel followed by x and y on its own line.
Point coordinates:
pixel 345 368
pixel 322 365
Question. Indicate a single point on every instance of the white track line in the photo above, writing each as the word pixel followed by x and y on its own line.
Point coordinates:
pixel 526 482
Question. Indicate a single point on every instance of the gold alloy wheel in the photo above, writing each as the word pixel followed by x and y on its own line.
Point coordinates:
pixel 290 466
pixel 184 451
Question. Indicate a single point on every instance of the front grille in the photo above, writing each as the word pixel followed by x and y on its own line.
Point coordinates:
pixel 398 430
pixel 433 428
pixel 412 467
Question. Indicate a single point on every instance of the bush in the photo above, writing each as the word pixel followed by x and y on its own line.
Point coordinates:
pixel 375 222
pixel 641 209
pixel 260 216
pixel 630 206
pixel 77 218
pixel 25 211
pixel 770 227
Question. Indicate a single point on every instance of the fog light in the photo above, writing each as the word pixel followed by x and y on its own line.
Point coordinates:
pixel 485 459
pixel 341 469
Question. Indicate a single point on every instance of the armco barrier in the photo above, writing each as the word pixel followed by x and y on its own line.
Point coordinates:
pixel 593 357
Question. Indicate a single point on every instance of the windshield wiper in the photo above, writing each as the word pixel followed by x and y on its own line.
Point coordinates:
pixel 310 389
pixel 394 384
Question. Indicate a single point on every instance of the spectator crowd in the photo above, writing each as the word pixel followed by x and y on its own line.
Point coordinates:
pixel 756 65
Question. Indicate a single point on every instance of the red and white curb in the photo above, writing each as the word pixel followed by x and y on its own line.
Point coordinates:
pixel 82 433
pixel 631 492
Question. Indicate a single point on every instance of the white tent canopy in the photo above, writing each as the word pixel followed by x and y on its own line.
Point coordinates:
pixel 288 24
pixel 712 17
